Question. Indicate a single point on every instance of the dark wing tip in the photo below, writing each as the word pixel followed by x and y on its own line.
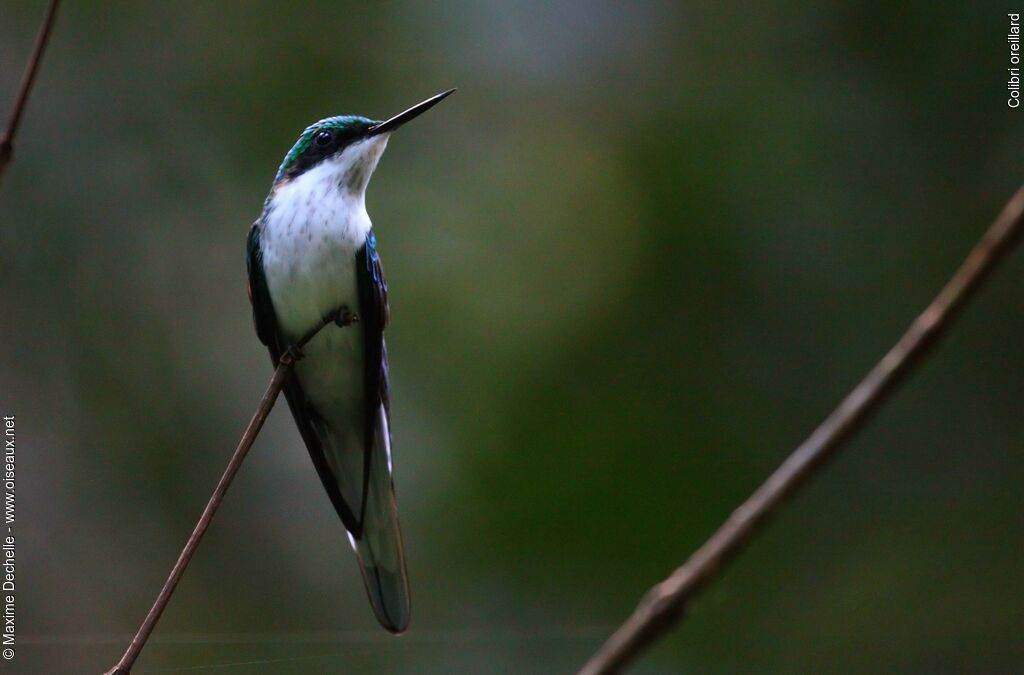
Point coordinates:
pixel 389 597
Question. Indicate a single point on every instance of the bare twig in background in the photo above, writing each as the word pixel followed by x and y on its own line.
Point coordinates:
pixel 284 365
pixel 664 605
pixel 27 80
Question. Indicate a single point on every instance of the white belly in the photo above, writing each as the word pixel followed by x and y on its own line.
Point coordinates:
pixel 310 240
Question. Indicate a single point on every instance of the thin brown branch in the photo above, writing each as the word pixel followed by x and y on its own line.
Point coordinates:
pixel 27 80
pixel 665 604
pixel 341 317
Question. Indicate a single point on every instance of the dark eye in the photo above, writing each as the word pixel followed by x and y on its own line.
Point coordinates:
pixel 323 138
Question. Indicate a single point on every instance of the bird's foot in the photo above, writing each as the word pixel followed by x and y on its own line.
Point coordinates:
pixel 343 317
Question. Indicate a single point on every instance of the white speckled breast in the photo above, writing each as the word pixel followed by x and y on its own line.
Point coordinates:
pixel 313 228
pixel 312 231
pixel 310 238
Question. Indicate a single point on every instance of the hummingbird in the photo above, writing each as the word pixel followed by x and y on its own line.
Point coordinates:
pixel 312 252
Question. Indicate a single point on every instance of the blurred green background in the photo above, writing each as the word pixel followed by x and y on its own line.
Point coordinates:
pixel 633 262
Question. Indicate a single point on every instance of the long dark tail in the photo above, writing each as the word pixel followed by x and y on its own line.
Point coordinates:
pixel 372 525
pixel 379 544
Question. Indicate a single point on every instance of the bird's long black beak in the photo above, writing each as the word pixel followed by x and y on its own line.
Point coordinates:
pixel 412 113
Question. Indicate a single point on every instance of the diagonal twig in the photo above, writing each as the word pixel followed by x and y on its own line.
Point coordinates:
pixel 664 605
pixel 340 317
pixel 27 80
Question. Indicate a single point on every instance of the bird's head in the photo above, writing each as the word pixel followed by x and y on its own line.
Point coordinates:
pixel 345 148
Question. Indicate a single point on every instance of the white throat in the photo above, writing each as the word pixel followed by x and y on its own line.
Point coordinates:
pixel 314 225
pixel 347 172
